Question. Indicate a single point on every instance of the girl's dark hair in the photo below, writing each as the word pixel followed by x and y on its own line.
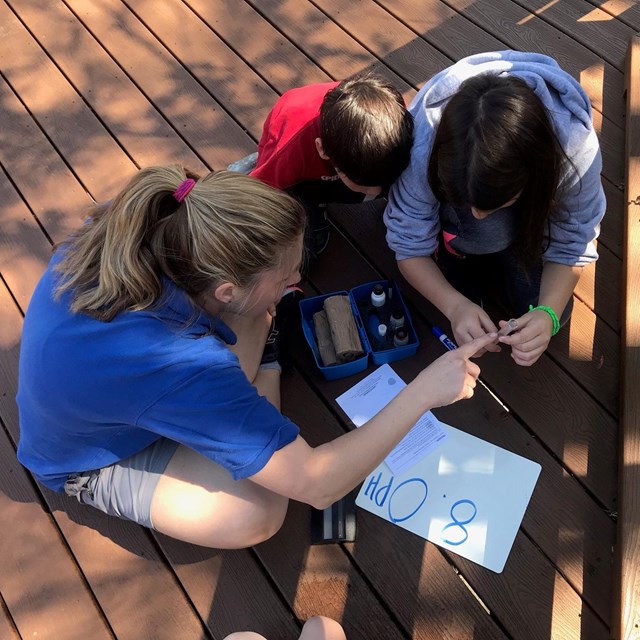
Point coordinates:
pixel 366 130
pixel 495 140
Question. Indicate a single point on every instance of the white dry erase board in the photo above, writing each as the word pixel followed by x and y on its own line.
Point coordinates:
pixel 466 495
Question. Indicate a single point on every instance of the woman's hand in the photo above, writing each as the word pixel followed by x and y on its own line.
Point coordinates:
pixel 469 321
pixel 531 339
pixel 453 376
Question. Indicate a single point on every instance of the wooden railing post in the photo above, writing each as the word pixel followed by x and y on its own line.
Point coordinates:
pixel 626 610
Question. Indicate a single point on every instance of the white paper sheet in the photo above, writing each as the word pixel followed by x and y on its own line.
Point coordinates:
pixel 370 396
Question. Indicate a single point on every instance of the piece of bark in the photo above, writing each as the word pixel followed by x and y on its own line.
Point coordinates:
pixel 323 336
pixel 344 332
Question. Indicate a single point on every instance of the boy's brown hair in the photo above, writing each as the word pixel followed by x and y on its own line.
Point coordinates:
pixel 366 130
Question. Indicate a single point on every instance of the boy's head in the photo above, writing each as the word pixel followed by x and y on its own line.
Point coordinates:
pixel 366 132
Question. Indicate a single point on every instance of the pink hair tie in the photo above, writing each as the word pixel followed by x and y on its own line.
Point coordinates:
pixel 183 190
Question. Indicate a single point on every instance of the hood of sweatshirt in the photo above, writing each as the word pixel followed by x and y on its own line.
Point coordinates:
pixel 562 95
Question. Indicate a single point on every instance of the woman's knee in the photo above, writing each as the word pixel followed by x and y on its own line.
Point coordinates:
pixel 251 527
pixel 265 521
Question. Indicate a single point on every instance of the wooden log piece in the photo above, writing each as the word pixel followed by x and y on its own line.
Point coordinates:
pixel 344 332
pixel 323 338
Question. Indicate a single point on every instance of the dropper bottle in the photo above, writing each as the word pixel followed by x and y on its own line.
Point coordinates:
pixel 400 338
pixel 396 321
pixel 378 296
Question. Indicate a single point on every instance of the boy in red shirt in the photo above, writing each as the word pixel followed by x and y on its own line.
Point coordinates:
pixel 335 142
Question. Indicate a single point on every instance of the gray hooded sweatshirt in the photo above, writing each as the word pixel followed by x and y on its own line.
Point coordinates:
pixel 414 217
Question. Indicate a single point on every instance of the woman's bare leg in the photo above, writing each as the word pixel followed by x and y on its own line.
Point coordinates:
pixel 197 501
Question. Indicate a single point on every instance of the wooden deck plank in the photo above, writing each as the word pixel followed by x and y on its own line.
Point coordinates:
pixel 179 96
pixel 522 30
pixel 605 301
pixel 627 616
pixel 24 250
pixel 147 136
pixel 413 59
pixel 320 579
pixel 612 224
pixel 589 351
pixel 8 630
pixel 325 43
pixel 587 441
pixel 193 97
pixel 61 113
pixel 589 25
pixel 276 59
pixel 626 11
pixel 555 489
pixel 22 146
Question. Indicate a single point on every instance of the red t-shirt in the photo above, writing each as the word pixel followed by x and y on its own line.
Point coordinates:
pixel 287 151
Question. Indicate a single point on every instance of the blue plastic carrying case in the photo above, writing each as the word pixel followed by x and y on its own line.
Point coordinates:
pixel 378 355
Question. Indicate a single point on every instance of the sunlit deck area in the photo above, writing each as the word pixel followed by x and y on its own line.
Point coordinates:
pixel 90 91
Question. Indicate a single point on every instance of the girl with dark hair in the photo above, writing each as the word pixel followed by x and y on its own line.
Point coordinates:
pixel 503 192
pixel 144 389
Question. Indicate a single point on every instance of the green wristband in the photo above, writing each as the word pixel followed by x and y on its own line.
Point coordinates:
pixel 552 313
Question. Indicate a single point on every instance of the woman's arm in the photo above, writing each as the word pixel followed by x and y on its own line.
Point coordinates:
pixel 319 476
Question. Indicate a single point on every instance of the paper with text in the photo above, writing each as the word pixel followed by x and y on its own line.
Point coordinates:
pixel 370 396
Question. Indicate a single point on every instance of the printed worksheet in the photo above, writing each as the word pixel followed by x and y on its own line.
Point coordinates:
pixel 371 395
pixel 463 494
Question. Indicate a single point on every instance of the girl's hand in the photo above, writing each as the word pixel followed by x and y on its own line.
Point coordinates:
pixel 452 376
pixel 531 339
pixel 469 321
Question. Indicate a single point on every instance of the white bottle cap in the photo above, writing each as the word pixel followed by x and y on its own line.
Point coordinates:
pixel 382 330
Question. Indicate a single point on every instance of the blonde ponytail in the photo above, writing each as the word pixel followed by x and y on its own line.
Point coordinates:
pixel 229 227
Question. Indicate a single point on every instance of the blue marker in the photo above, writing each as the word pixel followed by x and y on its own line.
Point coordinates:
pixel 444 338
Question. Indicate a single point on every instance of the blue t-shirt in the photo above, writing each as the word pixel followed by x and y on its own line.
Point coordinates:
pixel 91 393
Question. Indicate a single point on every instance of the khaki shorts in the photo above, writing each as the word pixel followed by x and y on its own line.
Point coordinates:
pixel 124 489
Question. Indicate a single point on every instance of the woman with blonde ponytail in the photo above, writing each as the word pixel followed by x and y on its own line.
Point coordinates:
pixel 146 389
